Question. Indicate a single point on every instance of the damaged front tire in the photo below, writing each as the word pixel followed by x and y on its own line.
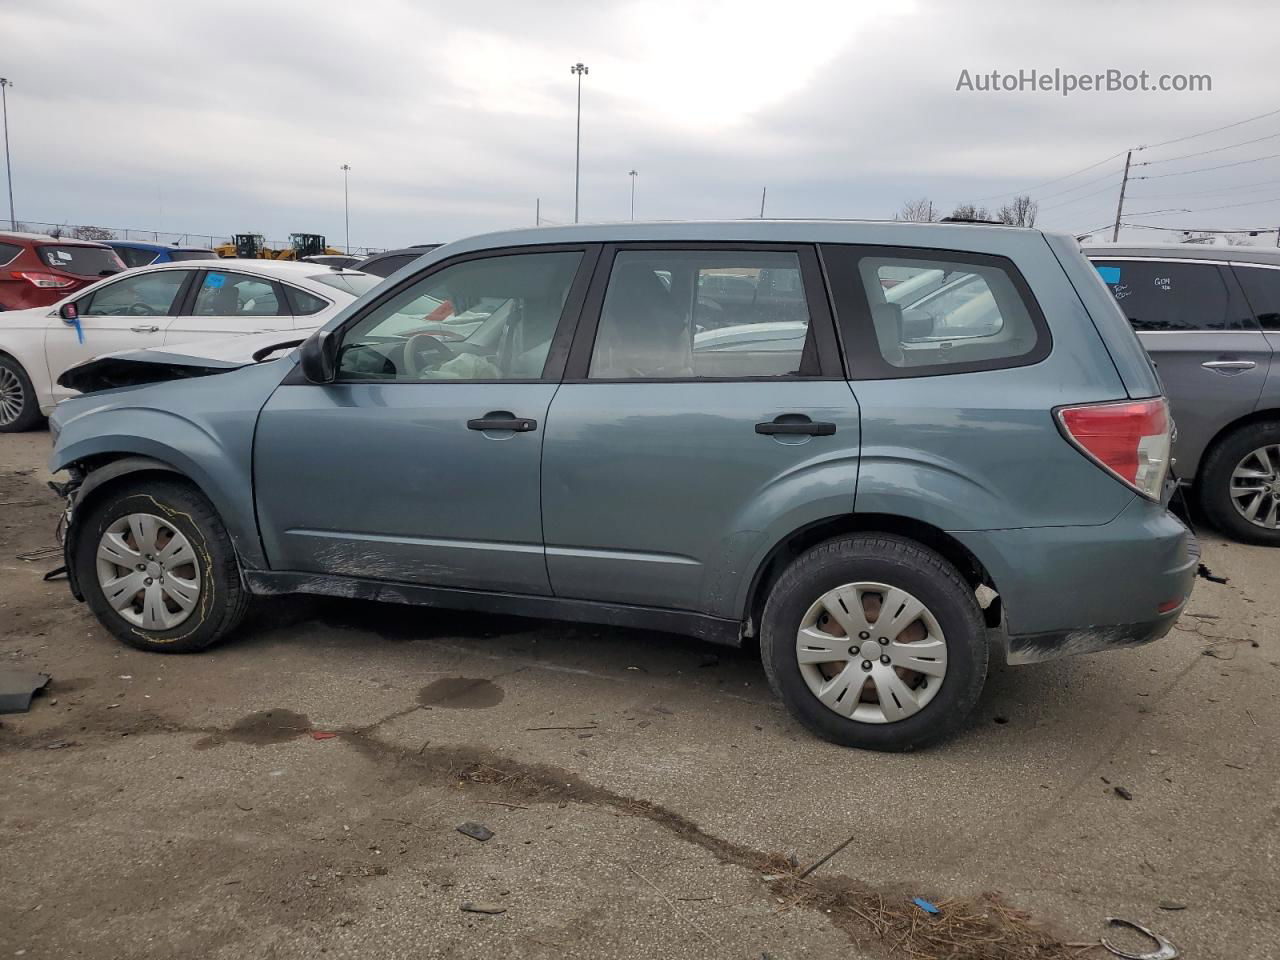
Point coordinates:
pixel 157 567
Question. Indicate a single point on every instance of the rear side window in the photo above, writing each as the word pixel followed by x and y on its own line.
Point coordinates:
pixel 8 253
pixel 134 257
pixel 1168 296
pixel 702 314
pixel 302 303
pixel 1262 287
pixel 82 261
pixel 918 313
pixel 236 295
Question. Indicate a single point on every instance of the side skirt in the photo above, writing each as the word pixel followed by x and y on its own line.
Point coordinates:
pixel 711 629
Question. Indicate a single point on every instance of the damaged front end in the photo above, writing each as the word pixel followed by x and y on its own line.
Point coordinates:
pixel 67 491
pixel 132 368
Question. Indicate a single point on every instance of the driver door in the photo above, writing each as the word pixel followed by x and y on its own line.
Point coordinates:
pixel 421 463
pixel 129 313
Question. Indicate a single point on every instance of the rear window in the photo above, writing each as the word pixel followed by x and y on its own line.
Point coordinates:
pixel 9 252
pixel 386 266
pixel 82 261
pixel 356 284
pixel 1170 296
pixel 192 255
pixel 917 313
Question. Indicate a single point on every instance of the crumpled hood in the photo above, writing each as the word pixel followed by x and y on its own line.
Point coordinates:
pixel 203 358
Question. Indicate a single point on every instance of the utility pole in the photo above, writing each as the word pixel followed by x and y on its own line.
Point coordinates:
pixel 537 211
pixel 633 174
pixel 763 192
pixel 1115 231
pixel 8 164
pixel 578 69
pixel 346 204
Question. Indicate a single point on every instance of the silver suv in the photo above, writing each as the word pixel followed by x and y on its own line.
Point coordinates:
pixel 1210 318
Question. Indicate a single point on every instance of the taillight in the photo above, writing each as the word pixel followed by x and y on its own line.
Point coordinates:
pixel 1130 439
pixel 43 279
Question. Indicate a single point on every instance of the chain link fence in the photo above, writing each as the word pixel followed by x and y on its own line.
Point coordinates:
pixel 81 231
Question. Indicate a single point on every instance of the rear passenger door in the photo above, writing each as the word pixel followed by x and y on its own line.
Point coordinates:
pixel 228 303
pixel 704 391
pixel 1211 355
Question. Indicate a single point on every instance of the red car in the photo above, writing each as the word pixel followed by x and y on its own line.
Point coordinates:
pixel 37 270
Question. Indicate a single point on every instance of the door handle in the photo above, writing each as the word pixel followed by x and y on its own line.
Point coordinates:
pixel 1223 366
pixel 145 328
pixel 795 424
pixel 502 420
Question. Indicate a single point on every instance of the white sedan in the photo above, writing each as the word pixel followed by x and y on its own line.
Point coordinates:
pixel 166 304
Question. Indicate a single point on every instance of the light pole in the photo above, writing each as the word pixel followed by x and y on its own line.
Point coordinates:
pixel 8 165
pixel 633 174
pixel 579 69
pixel 346 203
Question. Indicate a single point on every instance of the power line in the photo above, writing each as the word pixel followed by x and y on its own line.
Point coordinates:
pixel 1106 176
pixel 1150 226
pixel 1221 166
pixel 1225 206
pixel 1209 193
pixel 1066 176
pixel 1201 153
pixel 1192 136
pixel 1066 203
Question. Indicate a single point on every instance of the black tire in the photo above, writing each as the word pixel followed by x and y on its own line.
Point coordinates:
pixel 222 599
pixel 898 562
pixel 28 416
pixel 1214 483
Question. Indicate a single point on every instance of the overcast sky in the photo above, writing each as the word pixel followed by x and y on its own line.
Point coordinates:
pixel 456 117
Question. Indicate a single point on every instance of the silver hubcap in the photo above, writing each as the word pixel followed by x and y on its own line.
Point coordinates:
pixel 11 396
pixel 148 571
pixel 871 652
pixel 1255 487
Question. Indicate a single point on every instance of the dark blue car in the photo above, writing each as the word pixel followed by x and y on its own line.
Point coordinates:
pixel 135 253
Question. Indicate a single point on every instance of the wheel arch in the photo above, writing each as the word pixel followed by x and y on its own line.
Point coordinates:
pixel 795 543
pixel 1265 415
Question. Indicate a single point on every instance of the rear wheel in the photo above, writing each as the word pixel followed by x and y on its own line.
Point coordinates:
pixel 874 641
pixel 157 567
pixel 19 409
pixel 1239 486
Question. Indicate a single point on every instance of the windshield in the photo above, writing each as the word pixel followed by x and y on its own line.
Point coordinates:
pixel 82 261
pixel 192 255
pixel 356 284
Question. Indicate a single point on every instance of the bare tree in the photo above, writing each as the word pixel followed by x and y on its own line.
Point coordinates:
pixel 918 211
pixel 968 211
pixel 92 233
pixel 1019 212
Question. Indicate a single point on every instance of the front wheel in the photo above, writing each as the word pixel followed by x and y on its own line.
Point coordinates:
pixel 874 641
pixel 157 568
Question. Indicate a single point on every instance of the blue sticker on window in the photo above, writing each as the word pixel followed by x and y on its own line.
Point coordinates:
pixel 1109 274
pixel 216 280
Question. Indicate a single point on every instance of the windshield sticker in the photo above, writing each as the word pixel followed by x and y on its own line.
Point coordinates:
pixel 215 280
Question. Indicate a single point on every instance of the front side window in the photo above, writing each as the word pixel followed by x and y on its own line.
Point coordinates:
pixel 142 295
pixel 1262 287
pixel 696 314
pixel 935 313
pixel 1163 295
pixel 487 319
pixel 237 295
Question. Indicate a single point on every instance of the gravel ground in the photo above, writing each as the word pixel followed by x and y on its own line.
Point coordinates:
pixel 644 790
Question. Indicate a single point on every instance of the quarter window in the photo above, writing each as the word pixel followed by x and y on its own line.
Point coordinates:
pixel 8 253
pixel 689 314
pixel 1262 287
pixel 487 319
pixel 236 295
pixel 142 295
pixel 135 257
pixel 302 303
pixel 1162 295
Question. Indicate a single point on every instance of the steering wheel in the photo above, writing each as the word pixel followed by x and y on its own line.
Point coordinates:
pixel 421 350
pixel 141 310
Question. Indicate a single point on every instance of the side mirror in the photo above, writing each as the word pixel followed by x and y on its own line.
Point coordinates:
pixel 316 357
pixel 69 312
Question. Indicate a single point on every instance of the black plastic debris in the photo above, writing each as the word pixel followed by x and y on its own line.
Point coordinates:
pixel 476 831
pixel 1206 574
pixel 17 687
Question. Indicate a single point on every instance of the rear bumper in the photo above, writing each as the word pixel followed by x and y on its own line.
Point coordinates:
pixel 1069 590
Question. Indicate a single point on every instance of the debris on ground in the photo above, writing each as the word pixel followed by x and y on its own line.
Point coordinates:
pixel 476 831
pixel 17 687
pixel 1205 573
pixel 1171 905
pixel 1164 949
pixel 479 906
pixel 823 860
pixel 322 734
pixel 925 905
pixel 1123 793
